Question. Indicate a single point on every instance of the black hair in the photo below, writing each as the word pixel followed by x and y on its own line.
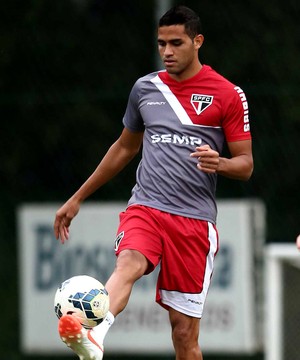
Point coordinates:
pixel 182 15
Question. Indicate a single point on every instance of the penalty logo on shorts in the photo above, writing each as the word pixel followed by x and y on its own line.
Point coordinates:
pixel 201 102
pixel 118 240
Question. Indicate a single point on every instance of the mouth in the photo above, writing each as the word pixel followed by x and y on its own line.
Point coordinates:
pixel 169 62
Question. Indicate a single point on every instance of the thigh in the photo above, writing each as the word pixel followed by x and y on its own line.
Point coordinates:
pixel 187 265
pixel 139 230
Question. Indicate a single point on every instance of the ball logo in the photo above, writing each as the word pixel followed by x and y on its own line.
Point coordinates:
pixel 96 304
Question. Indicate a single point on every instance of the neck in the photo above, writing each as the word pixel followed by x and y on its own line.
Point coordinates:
pixel 187 74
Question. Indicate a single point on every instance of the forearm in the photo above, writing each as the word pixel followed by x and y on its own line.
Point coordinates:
pixel 116 158
pixel 112 163
pixel 239 167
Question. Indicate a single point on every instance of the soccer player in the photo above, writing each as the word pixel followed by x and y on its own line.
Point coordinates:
pixel 182 116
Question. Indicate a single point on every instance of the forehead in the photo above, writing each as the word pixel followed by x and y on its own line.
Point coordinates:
pixel 172 32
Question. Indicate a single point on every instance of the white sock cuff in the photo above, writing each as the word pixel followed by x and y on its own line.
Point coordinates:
pixel 99 332
pixel 110 318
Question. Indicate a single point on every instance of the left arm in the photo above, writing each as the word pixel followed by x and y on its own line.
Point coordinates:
pixel 239 166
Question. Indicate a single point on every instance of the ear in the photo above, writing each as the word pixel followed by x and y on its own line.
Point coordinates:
pixel 198 41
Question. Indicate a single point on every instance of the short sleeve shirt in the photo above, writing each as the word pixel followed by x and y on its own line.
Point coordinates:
pixel 176 117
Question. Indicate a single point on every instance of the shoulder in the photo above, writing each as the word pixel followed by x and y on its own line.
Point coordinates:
pixel 217 79
pixel 146 79
pixel 229 93
pixel 143 84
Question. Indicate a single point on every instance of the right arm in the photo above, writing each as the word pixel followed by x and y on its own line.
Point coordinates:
pixel 116 158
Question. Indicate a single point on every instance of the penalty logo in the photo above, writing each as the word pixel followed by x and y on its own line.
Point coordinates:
pixel 201 102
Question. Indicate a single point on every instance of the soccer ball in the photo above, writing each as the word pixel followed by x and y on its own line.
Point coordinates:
pixel 83 297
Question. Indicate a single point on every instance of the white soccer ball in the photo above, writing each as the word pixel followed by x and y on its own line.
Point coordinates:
pixel 83 297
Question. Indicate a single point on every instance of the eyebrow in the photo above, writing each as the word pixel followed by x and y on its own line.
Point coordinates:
pixel 172 40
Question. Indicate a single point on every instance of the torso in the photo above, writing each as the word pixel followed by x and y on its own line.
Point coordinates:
pixel 176 117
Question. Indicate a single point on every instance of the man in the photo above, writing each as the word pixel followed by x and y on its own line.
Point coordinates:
pixel 181 116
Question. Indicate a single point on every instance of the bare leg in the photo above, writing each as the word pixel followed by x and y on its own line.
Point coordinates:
pixel 185 333
pixel 130 266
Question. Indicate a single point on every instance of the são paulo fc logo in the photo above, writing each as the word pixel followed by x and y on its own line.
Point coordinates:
pixel 119 239
pixel 201 102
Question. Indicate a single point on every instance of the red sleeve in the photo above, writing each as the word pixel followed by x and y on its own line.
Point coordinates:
pixel 235 121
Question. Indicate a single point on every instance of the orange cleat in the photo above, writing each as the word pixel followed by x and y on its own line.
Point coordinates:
pixel 80 340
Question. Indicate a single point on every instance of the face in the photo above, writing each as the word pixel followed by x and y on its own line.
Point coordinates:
pixel 179 52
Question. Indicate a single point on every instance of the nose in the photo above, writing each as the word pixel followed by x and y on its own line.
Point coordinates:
pixel 168 50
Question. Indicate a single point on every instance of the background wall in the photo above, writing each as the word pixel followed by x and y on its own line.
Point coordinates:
pixel 66 68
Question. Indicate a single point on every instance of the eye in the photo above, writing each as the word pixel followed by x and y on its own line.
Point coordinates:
pixel 176 42
pixel 161 43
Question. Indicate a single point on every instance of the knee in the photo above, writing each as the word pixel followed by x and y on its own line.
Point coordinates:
pixel 185 330
pixel 132 262
pixel 185 341
pixel 181 334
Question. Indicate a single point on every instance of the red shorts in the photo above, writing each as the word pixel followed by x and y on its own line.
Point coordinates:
pixel 184 247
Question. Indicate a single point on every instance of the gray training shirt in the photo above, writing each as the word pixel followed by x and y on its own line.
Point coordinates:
pixel 176 117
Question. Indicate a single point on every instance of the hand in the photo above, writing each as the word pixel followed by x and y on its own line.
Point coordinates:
pixel 298 242
pixel 208 159
pixel 63 219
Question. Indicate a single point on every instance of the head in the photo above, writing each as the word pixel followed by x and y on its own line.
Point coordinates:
pixel 182 15
pixel 179 40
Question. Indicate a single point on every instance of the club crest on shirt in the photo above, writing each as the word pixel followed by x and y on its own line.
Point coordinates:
pixel 201 102
pixel 118 240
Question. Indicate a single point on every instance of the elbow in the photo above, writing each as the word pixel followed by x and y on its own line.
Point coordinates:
pixel 248 168
pixel 248 172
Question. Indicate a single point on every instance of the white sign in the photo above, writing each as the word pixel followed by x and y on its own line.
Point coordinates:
pixel 229 323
